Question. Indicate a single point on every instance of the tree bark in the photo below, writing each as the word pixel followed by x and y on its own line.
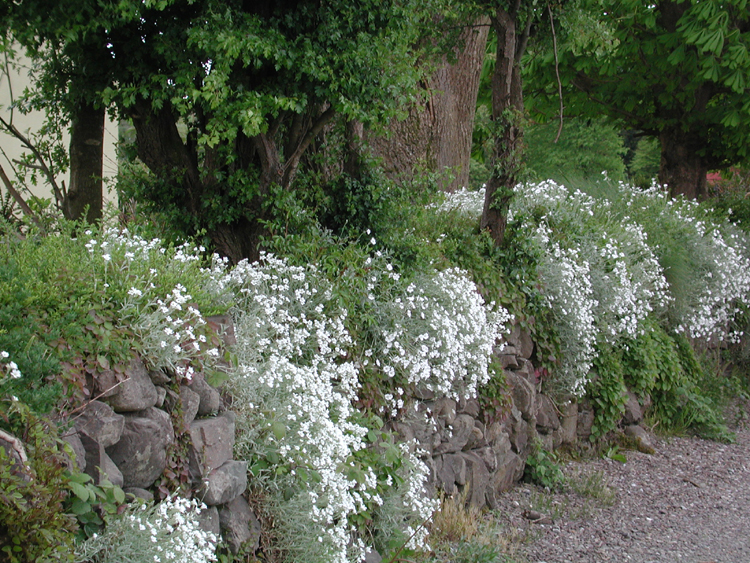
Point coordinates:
pixel 86 161
pixel 507 110
pixel 437 133
pixel 681 168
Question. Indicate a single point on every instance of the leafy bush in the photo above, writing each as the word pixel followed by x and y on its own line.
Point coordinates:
pixel 33 524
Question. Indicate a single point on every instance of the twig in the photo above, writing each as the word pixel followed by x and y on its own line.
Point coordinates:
pixel 557 71
pixel 97 397
pixel 18 198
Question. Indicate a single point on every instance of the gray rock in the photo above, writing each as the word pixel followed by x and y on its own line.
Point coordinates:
pixel 137 392
pixel 476 438
pixel 633 413
pixel 137 492
pixel 239 525
pixel 471 408
pixel 106 384
pixel 209 521
pixel 445 409
pixel 213 440
pixel 477 479
pixel 190 401
pixel 100 423
pixel 523 395
pixel 141 453
pixel 99 465
pixel 568 423
pixel 488 456
pixel 161 394
pixel 508 360
pixel 210 399
pixel 449 470
pixel 459 436
pixel 72 438
pixel 158 377
pixel 510 468
pixel 519 436
pixel 585 420
pixel 643 440
pixel 546 415
pixel 372 556
pixel 225 483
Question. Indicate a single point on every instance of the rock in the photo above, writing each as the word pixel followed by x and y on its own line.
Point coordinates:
pixel 509 361
pixel 521 340
pixel 99 465
pixel 106 384
pixel 643 440
pixel 568 423
pixel 73 439
pixel 137 492
pixel 546 415
pixel 488 456
pixel 471 408
pixel 239 525
pixel 137 392
pixel 476 438
pixel 523 395
pixel 141 453
pixel 477 479
pixel 190 402
pixel 585 420
pixel 519 436
pixel 445 409
pixel 372 556
pixel 461 431
pixel 210 399
pixel 510 468
pixel 223 325
pixel 161 394
pixel 423 393
pixel 225 483
pixel 158 377
pixel 213 440
pixel 209 521
pixel 448 469
pixel 633 413
pixel 100 423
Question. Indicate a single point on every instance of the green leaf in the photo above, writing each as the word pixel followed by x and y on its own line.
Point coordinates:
pixel 279 429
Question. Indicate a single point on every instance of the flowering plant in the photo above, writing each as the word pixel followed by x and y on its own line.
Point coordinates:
pixel 156 533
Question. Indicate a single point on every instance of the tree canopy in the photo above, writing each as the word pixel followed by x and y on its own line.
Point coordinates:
pixel 675 70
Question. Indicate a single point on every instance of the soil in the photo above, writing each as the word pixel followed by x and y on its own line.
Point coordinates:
pixel 689 502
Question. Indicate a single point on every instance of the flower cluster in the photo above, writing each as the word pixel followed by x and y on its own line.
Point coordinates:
pixel 294 391
pixel 437 334
pixel 165 532
pixel 9 368
pixel 464 201
pixel 568 291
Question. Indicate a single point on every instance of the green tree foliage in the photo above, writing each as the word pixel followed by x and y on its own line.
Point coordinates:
pixel 226 97
pixel 585 149
pixel 676 70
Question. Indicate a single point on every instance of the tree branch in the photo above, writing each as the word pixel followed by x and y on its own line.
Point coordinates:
pixel 13 130
pixel 17 197
pixel 557 72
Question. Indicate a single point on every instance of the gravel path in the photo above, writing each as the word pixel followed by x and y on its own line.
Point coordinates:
pixel 689 503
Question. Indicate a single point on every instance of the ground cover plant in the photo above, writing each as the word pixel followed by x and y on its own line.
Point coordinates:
pixel 336 338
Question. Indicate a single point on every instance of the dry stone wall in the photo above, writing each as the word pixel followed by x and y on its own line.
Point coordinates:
pixel 129 434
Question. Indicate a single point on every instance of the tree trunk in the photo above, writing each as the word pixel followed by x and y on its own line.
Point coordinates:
pixel 681 169
pixel 86 161
pixel 507 110
pixel 436 135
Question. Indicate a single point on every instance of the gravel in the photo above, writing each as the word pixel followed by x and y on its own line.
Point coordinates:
pixel 689 502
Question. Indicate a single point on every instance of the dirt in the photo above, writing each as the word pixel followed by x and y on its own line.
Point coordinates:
pixel 689 502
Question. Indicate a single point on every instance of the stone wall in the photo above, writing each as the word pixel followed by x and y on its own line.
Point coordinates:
pixel 138 423
pixel 136 426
